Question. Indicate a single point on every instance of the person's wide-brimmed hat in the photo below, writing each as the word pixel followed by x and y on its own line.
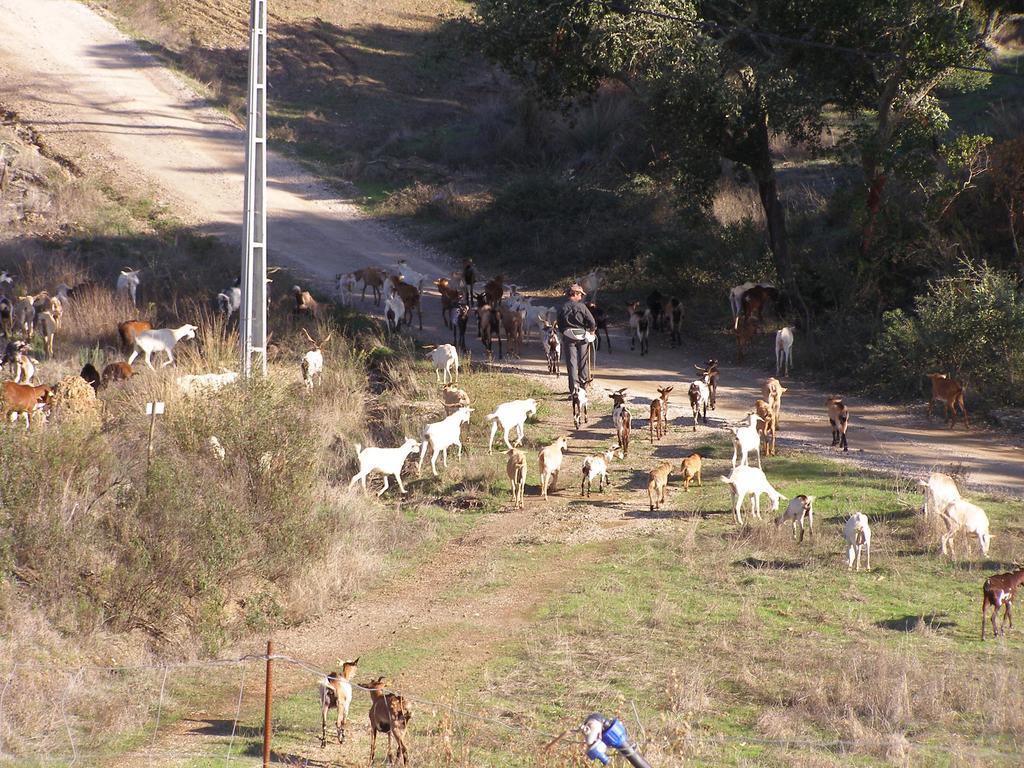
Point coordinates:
pixel 576 288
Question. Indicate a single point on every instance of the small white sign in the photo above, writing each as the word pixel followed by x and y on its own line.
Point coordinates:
pixel 159 408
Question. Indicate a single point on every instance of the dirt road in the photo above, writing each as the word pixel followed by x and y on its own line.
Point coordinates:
pixel 107 104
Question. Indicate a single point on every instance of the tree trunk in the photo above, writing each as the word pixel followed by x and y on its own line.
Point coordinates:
pixel 875 191
pixel 775 217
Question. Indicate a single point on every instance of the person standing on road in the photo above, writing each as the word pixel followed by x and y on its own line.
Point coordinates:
pixel 577 327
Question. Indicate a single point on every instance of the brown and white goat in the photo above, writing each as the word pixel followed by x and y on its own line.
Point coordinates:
pixel 710 374
pixel 336 693
pixel 951 393
pixel 657 485
pixel 450 298
pixel 839 418
pixel 21 399
pixel 766 427
pixel 410 296
pixel 621 419
pixel 691 468
pixel 550 464
pixel 390 714
pixel 659 414
pixel 999 592
pixel 128 330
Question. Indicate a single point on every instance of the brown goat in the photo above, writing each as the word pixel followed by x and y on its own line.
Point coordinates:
pixel 116 372
pixel 515 468
pixel 691 468
pixel 773 391
pixel 657 486
pixel 512 322
pixel 951 393
pixel 389 714
pixel 410 296
pixel 128 330
pixel 659 414
pixel 839 418
pixel 24 399
pixel 766 427
pixel 371 277
pixel 745 330
pixel 710 370
pixel 450 299
pixel 1000 591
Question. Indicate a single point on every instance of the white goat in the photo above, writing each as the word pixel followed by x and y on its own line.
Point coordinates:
pixel 511 415
pixel 550 463
pixel 745 439
pixel 160 340
pixel 744 481
pixel 313 361
pixel 857 533
pixel 198 383
pixel 442 435
pixel 783 350
pixel 128 282
pixel 410 276
pixel 938 492
pixel 445 358
pixel 590 283
pixel 345 288
pixel 800 508
pixel 963 515
pixel 580 401
pixel 538 317
pixel 597 467
pixel 387 461
pixel 394 312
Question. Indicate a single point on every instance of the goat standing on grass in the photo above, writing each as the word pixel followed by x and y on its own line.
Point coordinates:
pixel 515 468
pixel 442 435
pixel 745 439
pixel 313 361
pixel 938 492
pixel 951 393
pixel 857 533
pixel 800 508
pixel 511 416
pixel 766 426
pixel 387 461
pixel 657 484
pixel 445 359
pixel 550 463
pixel 389 714
pixel 744 481
pixel 839 418
pixel 1000 591
pixel 690 468
pixel 783 351
pixel 128 282
pixel 621 419
pixel 963 515
pixel 453 398
pixel 659 414
pixel 160 340
pixel 336 693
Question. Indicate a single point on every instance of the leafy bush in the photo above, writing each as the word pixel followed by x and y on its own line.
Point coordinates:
pixel 970 325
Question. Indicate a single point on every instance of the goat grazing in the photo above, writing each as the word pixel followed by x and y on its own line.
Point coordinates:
pixel 999 591
pixel 91 376
pixel 442 435
pixel 445 359
pixel 800 508
pixel 128 282
pixel 552 347
pixel 951 393
pixel 700 396
pixel 550 463
pixel 938 492
pixel 765 427
pixel 657 484
pixel 128 330
pixel 511 415
pixel 659 414
pixel 963 515
pixel 857 533
pixel 744 481
pixel 621 419
pixel 839 418
pixel 22 399
pixel 313 361
pixel 690 468
pixel 579 406
pixel 336 693
pixel 515 468
pixel 389 714
pixel 387 461
pixel 161 340
pixel 783 350
pixel 745 439
pixel 640 321
pixel 116 372
pixel 453 398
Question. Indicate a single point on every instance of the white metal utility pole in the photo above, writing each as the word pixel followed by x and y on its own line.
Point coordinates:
pixel 253 316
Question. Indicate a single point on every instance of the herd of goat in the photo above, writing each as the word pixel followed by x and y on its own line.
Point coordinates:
pixel 501 310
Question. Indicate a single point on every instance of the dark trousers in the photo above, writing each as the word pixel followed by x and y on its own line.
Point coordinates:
pixel 577 363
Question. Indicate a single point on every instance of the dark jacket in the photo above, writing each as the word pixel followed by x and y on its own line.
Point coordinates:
pixel 574 314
